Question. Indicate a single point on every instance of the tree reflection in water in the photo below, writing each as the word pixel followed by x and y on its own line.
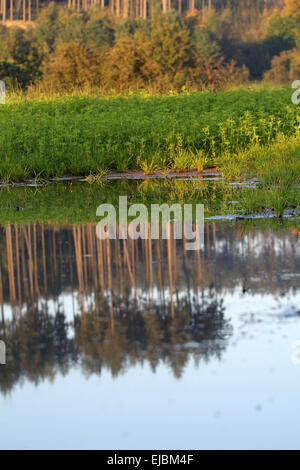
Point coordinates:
pixel 131 302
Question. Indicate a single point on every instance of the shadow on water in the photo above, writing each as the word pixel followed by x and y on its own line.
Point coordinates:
pixel 70 300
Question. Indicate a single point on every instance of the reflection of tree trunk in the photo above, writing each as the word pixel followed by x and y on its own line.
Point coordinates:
pixel 1 298
pixel 30 262
pixel 60 258
pixel 128 264
pixel 158 254
pixel 174 258
pixel 118 266
pixel 100 267
pixel 187 270
pixel 44 259
pixel 174 254
pixel 170 270
pixel 200 276
pixel 133 257
pixel 92 251
pixel 161 247
pixel 18 265
pixel 36 281
pixel 150 261
pixel 110 284
pixel 186 260
pixel 78 256
pixel 85 277
pixel 10 265
pixel 147 259
pixel 24 274
pixel 214 236
pixel 54 252
pixel 208 239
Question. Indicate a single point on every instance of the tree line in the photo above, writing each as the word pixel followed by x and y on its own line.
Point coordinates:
pixel 27 10
pixel 121 45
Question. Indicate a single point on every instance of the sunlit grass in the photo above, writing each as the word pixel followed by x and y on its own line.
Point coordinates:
pixel 249 132
pixel 85 134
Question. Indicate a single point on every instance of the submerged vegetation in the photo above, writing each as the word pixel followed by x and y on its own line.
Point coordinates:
pixel 77 201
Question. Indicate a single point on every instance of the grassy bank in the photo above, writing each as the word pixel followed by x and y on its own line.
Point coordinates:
pixel 82 135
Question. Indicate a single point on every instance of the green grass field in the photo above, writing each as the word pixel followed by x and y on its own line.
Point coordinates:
pixel 248 132
pixel 83 135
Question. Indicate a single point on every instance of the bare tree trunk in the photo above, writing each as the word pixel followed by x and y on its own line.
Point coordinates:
pixel 191 5
pixel 126 9
pixel 165 6
pixel 180 7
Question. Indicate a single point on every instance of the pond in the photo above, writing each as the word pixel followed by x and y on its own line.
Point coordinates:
pixel 141 344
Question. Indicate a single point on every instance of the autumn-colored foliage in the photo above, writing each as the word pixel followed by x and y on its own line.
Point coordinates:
pixel 199 45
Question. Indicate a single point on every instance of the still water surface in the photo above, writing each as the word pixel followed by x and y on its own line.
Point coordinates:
pixel 141 344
